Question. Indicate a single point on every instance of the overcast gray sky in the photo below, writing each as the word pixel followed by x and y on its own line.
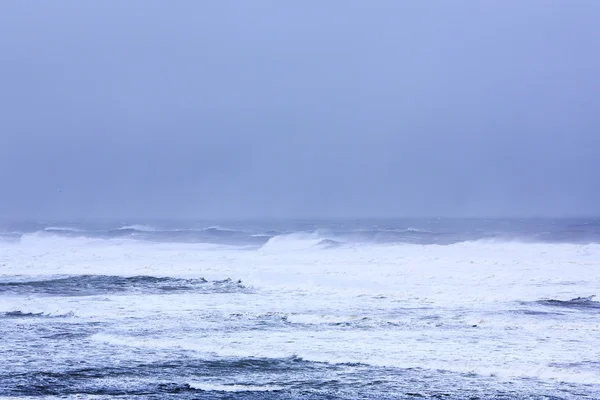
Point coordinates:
pixel 294 109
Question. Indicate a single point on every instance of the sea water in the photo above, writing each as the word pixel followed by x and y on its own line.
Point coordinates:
pixel 377 309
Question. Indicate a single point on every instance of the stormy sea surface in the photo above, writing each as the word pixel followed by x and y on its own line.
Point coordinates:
pixel 369 309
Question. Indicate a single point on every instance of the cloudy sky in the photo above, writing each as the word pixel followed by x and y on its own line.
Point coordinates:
pixel 296 109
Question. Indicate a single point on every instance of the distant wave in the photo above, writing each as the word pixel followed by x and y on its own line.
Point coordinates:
pixel 219 228
pixel 62 229
pixel 151 228
pixel 10 236
pixel 207 235
pixel 140 228
pixel 417 230
pixel 220 231
pixel 257 234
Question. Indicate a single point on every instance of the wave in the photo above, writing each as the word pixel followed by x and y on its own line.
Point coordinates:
pixel 151 228
pixel 328 244
pixel 22 314
pixel 417 230
pixel 220 228
pixel 62 229
pixel 311 319
pixel 213 230
pixel 214 387
pixel 576 303
pixel 297 241
pixel 326 239
pixel 211 235
pixel 140 228
pixel 149 232
pixel 19 313
pixel 10 236
pixel 443 232
pixel 87 285
pixel 250 355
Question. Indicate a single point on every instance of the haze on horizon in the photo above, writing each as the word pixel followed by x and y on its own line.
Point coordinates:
pixel 280 109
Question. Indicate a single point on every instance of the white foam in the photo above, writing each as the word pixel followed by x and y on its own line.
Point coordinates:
pixel 437 307
pixel 404 349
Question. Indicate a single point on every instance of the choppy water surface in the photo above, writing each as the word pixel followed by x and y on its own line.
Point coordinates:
pixel 437 309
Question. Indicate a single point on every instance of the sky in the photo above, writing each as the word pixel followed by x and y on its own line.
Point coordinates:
pixel 339 108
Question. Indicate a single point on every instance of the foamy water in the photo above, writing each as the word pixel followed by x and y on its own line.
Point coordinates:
pixel 291 318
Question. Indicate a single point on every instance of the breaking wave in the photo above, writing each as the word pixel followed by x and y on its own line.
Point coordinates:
pixel 298 241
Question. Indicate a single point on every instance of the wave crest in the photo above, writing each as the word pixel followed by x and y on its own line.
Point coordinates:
pixel 298 241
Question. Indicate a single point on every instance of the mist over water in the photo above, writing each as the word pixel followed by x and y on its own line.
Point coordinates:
pixel 340 110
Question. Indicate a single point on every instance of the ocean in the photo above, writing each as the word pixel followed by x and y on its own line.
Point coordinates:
pixel 308 309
